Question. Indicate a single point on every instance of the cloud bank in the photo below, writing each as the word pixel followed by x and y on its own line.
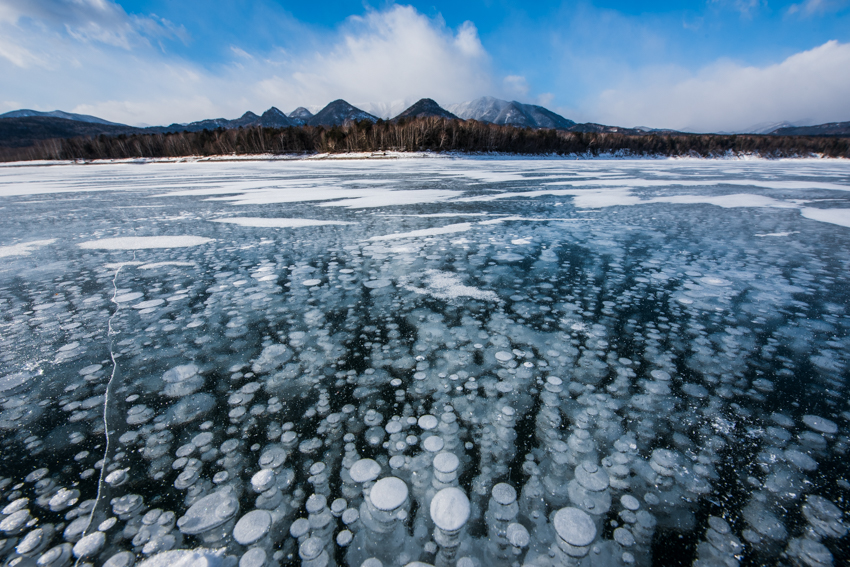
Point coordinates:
pixel 111 64
pixel 812 86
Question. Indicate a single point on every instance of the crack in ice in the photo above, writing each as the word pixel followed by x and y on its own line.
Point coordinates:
pixel 109 333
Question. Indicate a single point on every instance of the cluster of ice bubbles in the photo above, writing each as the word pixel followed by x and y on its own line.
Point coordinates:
pixel 621 403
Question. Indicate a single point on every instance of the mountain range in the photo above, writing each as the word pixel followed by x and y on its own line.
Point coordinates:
pixel 21 128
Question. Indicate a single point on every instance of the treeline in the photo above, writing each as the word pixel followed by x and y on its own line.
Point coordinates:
pixel 421 134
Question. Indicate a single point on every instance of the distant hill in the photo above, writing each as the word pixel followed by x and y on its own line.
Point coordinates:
pixel 603 129
pixel 829 129
pixel 272 118
pixel 300 116
pixel 337 113
pixel 27 113
pixel 513 113
pixel 425 107
pixel 26 131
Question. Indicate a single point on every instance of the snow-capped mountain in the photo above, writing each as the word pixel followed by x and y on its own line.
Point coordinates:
pixel 828 129
pixel 338 112
pixel 271 118
pixel 300 116
pixel 497 111
pixel 424 108
pixel 26 113
pixel 274 118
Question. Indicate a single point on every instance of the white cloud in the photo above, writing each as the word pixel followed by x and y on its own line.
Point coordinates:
pixel 811 85
pixel 746 7
pixel 395 55
pixel 516 85
pixel 107 66
pixel 88 20
pixel 813 7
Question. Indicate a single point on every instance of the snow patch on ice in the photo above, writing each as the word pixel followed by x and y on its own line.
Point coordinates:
pixel 778 233
pixel 448 286
pixel 24 248
pixel 153 265
pixel 144 242
pixel 841 217
pixel 448 229
pixel 262 222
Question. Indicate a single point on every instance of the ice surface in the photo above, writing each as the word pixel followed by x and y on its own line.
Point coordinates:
pixel 658 347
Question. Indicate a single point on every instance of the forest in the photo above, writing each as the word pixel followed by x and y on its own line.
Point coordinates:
pixel 422 134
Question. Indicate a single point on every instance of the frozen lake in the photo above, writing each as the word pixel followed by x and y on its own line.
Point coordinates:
pixel 471 362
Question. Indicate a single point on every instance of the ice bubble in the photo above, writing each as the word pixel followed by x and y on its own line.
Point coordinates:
pixel 311 548
pixel 117 477
pixel 32 541
pixel 591 477
pixel 764 522
pixel 299 528
pixel 428 422
pixel 252 526
pixel 254 557
pixel 433 444
pixel 660 375
pixel 149 304
pixel 60 556
pixel 311 283
pixel 574 526
pixel 343 538
pixel 820 424
pixel 273 357
pixel 200 557
pixel 388 493
pixel 208 512
pixel 377 284
pixel 782 420
pixel 624 537
pixel 504 356
pixel 364 470
pixel 450 509
pixel 824 517
pixel 517 535
pixel 190 408
pixel 139 414
pixel 629 502
pixel 504 494
pixel 801 460
pixel 15 505
pixel 262 480
pixel 15 522
pixel 446 463
pixel 12 381
pixel 695 390
pixel 182 381
pixel 90 545
pixel 809 553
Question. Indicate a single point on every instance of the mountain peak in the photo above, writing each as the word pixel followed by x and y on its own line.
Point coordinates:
pixel 497 111
pixel 27 113
pixel 337 113
pixel 425 107
pixel 300 115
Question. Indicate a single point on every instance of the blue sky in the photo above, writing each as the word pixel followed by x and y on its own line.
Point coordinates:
pixel 711 65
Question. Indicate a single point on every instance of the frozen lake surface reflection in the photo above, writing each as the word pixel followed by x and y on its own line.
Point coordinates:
pixel 434 361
